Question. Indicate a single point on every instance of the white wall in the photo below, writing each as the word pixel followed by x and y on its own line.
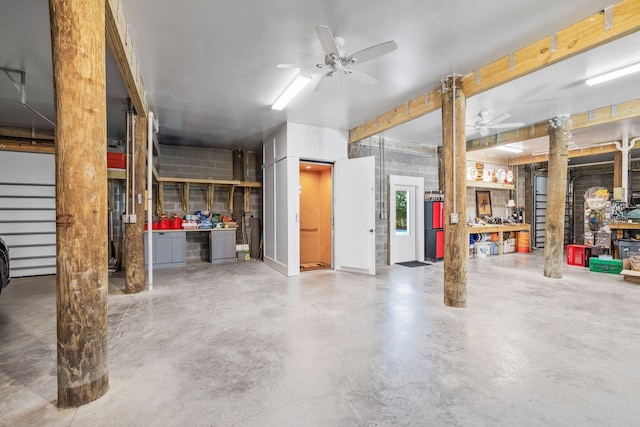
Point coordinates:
pixel 281 180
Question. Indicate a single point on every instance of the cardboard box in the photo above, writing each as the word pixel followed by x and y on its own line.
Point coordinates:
pixel 631 276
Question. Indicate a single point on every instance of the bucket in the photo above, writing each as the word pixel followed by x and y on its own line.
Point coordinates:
pixel 482 249
pixel 522 242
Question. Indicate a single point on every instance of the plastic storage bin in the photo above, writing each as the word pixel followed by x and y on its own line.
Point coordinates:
pixel 578 255
pixel 613 266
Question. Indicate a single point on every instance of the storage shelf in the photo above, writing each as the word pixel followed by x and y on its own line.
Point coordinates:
pixel 491 185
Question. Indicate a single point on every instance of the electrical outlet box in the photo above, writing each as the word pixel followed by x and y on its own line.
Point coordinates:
pixel 132 219
pixel 454 218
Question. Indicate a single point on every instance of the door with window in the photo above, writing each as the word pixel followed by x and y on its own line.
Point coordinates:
pixel 406 219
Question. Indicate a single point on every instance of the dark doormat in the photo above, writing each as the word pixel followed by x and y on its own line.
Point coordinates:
pixel 413 263
pixel 309 266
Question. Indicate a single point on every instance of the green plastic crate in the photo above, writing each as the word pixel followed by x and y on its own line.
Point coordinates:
pixel 613 266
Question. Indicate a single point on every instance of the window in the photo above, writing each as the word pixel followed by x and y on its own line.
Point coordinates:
pixel 402 221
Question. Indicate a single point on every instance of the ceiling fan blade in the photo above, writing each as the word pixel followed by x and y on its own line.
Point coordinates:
pixel 498 119
pixel 362 76
pixel 372 52
pixel 506 125
pixel 326 40
pixel 324 82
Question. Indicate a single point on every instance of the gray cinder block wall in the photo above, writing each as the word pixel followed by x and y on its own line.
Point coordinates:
pixel 205 163
pixel 399 159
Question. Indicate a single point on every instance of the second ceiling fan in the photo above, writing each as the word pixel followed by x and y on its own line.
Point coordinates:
pixel 338 64
pixel 486 124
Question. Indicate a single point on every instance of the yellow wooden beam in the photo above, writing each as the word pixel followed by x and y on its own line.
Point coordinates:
pixel 122 51
pixel 25 146
pixel 515 135
pixel 580 37
pixel 582 152
pixel 25 133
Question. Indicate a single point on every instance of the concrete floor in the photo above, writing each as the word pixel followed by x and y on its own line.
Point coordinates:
pixel 242 345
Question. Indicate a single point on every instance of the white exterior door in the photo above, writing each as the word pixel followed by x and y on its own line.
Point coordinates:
pixel 354 215
pixel 406 219
pixel 403 223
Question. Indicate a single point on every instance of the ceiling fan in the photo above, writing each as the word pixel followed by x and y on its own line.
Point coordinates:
pixel 486 124
pixel 337 63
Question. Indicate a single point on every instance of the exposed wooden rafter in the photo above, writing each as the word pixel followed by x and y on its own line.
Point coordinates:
pixel 581 152
pixel 599 116
pixel 122 50
pixel 580 37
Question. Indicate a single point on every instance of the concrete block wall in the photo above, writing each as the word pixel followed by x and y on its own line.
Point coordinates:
pixel 396 162
pixel 206 163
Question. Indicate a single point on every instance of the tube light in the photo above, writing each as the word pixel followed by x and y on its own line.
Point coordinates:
pixel 509 149
pixel 290 92
pixel 614 74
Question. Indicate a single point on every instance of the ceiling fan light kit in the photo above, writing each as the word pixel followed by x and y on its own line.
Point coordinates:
pixel 291 91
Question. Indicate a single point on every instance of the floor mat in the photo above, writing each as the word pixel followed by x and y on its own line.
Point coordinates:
pixel 308 266
pixel 413 263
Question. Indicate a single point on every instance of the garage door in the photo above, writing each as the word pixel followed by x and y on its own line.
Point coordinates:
pixel 28 211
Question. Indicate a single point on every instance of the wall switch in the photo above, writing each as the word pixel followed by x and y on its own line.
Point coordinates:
pixel 454 218
pixel 132 219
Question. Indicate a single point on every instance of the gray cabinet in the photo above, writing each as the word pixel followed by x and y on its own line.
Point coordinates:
pixel 169 249
pixel 222 246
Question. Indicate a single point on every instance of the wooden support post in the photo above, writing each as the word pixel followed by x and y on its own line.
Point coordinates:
pixel 134 231
pixel 238 195
pixel 78 47
pixel 556 194
pixel 617 171
pixel 454 155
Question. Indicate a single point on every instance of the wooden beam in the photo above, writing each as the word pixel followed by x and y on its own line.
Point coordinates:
pixel 599 116
pixel 582 152
pixel 455 191
pixel 25 133
pixel 580 37
pixel 10 145
pixel 515 135
pixel 415 108
pixel 82 280
pixel 556 196
pixel 134 231
pixel 122 51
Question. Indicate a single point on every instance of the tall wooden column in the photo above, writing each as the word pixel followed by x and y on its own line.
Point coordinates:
pixel 617 170
pixel 556 196
pixel 134 231
pixel 78 47
pixel 238 195
pixel 454 154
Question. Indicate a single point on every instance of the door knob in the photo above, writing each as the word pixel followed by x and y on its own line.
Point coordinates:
pixel 371 230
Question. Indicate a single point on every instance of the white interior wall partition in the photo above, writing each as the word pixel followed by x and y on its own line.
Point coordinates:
pixel 281 187
pixel 28 211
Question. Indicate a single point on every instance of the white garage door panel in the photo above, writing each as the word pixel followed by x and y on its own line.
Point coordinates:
pixel 29 239
pixel 32 251
pixel 23 263
pixel 27 215
pixel 27 211
pixel 35 271
pixel 28 203
pixel 26 191
pixel 12 228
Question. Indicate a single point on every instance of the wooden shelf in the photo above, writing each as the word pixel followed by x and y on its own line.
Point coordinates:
pixel 211 183
pixel 116 174
pixel 491 185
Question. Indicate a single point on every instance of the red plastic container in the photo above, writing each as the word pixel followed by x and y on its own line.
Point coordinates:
pixel 116 160
pixel 175 223
pixel 163 224
pixel 578 255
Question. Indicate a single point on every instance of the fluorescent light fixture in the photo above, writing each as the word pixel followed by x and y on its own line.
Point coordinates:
pixel 290 92
pixel 614 74
pixel 509 149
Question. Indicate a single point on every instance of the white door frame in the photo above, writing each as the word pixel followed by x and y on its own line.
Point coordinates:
pixel 418 183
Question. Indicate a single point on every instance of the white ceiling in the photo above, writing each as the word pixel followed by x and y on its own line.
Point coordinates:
pixel 209 66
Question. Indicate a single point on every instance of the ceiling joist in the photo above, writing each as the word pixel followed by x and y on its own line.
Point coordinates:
pixel 582 152
pixel 122 51
pixel 619 20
